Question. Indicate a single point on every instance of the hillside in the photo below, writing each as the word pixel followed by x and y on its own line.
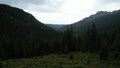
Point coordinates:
pixel 21 35
pixel 23 19
pixel 105 21
pixel 55 26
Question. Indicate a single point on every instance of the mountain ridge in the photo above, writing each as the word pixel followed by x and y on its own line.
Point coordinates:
pixel 24 18
pixel 108 17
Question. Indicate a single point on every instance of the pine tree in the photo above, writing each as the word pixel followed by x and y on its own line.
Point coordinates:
pixel 87 40
pixel 116 46
pixel 68 39
pixel 104 51
pixel 78 43
pixel 71 39
pixel 93 38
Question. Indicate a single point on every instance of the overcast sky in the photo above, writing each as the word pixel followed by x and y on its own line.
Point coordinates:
pixel 63 11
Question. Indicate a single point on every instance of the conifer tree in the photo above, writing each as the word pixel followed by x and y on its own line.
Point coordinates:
pixel 68 39
pixel 116 46
pixel 104 51
pixel 93 38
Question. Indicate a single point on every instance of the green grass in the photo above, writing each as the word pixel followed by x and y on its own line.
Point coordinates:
pixel 71 60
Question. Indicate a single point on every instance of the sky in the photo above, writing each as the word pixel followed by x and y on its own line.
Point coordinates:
pixel 63 11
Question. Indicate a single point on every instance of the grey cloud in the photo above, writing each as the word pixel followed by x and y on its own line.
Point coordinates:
pixel 110 1
pixel 37 5
pixel 101 4
pixel 104 2
pixel 23 1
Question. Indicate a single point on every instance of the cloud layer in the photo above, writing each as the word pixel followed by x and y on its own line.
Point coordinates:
pixel 63 11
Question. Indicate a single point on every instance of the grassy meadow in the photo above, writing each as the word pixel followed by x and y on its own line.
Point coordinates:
pixel 71 60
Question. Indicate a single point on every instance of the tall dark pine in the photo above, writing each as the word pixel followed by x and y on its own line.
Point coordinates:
pixel 87 41
pixel 65 40
pixel 68 39
pixel 104 51
pixel 78 43
pixel 71 39
pixel 116 46
pixel 93 38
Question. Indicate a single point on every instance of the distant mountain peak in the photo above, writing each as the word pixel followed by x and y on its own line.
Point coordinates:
pixel 101 12
pixel 104 21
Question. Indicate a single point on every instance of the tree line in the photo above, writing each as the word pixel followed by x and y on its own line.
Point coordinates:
pixel 105 44
pixel 20 45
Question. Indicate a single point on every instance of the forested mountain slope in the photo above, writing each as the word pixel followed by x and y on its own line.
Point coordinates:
pixel 21 35
pixel 105 21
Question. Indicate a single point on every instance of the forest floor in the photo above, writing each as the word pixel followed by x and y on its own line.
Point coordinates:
pixel 71 60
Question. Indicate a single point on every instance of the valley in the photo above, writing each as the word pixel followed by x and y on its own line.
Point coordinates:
pixel 26 42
